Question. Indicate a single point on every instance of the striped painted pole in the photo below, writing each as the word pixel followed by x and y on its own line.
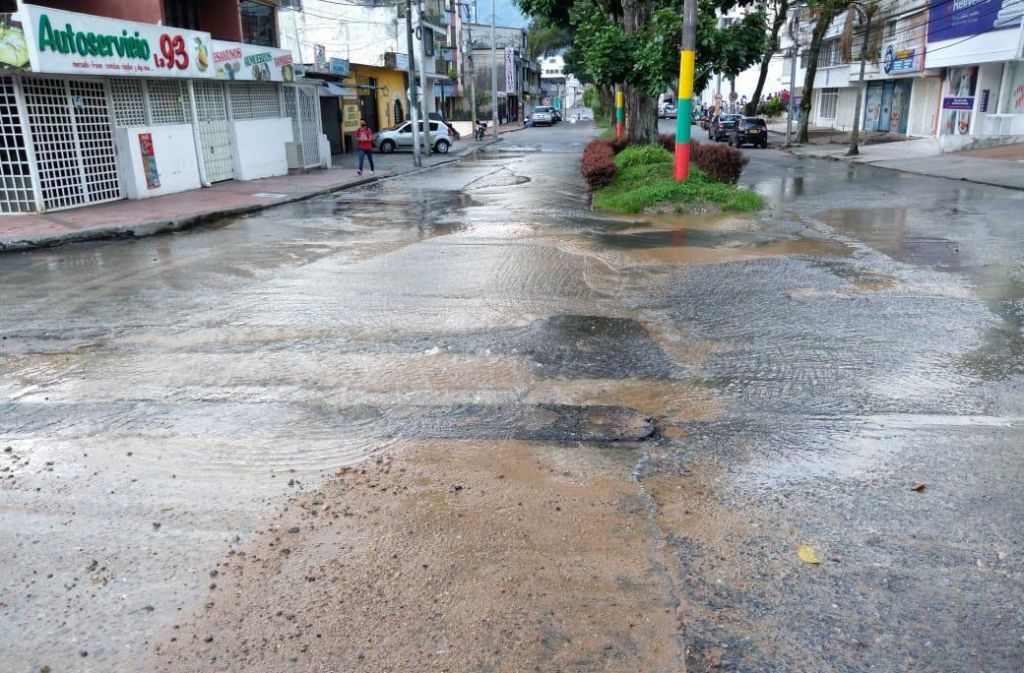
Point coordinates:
pixel 684 108
pixel 620 113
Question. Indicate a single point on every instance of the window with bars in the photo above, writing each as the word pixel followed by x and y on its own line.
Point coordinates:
pixel 168 101
pixel 127 101
pixel 254 100
pixel 16 195
pixel 828 103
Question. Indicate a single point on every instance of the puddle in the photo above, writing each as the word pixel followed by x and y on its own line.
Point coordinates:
pixel 678 251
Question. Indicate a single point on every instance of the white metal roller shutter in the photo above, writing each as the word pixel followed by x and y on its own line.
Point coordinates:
pixel 214 130
pixel 73 138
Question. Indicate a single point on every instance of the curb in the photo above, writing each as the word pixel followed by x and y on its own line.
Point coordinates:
pixel 152 228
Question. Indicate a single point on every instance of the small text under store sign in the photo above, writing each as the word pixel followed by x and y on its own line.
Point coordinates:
pixel 958 103
pixel 82 44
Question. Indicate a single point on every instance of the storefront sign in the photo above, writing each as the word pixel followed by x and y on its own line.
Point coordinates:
pixel 81 44
pixel 251 63
pixel 510 71
pixel 401 61
pixel 13 47
pixel 149 160
pixel 319 58
pixel 962 18
pixel 339 66
pixel 898 61
pixel 350 116
pixel 958 103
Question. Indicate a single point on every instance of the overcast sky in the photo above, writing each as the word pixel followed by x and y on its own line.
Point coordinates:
pixel 507 13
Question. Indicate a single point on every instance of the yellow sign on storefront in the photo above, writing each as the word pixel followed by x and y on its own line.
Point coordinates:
pixel 349 116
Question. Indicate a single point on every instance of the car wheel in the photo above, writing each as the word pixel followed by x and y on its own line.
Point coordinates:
pixel 441 147
pixel 387 147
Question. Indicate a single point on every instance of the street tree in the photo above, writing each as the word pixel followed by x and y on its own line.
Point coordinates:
pixel 778 10
pixel 865 11
pixel 827 11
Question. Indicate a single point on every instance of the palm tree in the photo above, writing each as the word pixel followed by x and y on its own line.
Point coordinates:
pixel 866 12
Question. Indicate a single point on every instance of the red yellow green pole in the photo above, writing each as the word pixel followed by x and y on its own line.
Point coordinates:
pixel 620 113
pixel 684 108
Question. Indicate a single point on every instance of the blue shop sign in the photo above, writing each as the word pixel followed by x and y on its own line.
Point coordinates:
pixel 897 61
pixel 339 66
pixel 958 103
pixel 950 19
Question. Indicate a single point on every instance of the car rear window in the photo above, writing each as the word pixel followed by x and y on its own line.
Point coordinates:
pixel 754 121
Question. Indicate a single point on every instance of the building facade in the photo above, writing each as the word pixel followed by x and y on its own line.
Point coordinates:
pixel 518 76
pixel 97 108
pixel 946 70
pixel 559 89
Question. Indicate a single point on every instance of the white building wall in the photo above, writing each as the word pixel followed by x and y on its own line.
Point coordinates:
pixel 260 147
pixel 176 160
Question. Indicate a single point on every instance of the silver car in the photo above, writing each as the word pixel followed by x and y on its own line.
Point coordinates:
pixel 400 137
pixel 542 115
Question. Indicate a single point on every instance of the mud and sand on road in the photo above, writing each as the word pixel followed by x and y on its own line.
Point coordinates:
pixel 449 556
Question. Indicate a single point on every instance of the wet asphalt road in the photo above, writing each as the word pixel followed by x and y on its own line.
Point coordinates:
pixel 163 397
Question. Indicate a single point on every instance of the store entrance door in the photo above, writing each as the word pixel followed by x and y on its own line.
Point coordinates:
pixel 214 131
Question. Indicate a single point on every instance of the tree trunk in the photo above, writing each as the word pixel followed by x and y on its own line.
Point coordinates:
pixel 641 109
pixel 781 10
pixel 606 97
pixel 828 12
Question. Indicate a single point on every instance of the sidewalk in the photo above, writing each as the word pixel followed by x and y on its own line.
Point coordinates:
pixel 995 166
pixel 145 217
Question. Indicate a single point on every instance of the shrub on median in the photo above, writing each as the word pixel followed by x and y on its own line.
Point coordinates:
pixel 642 155
pixel 598 164
pixel 721 162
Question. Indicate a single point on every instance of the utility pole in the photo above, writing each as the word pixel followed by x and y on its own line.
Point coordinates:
pixel 472 67
pixel 855 134
pixel 684 106
pixel 413 102
pixel 794 32
pixel 494 72
pixel 425 135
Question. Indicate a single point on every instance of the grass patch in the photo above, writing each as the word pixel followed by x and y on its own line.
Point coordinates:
pixel 638 186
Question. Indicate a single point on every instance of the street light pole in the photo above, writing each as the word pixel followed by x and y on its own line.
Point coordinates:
pixel 494 71
pixel 413 98
pixel 855 134
pixel 424 107
pixel 794 31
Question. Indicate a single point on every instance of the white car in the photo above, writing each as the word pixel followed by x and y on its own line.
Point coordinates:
pixel 400 137
pixel 543 115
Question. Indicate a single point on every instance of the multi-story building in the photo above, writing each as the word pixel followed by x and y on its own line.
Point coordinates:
pixel 518 76
pixel 103 100
pixel 945 69
pixel 558 88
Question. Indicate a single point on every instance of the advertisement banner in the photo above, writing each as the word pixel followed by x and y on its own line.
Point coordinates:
pixel 898 61
pixel 510 70
pixel 149 160
pixel 82 44
pixel 340 67
pixel 319 58
pixel 251 63
pixel 13 47
pixel 949 19
pixel 958 100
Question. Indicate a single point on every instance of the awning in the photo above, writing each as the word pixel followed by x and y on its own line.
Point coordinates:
pixel 327 90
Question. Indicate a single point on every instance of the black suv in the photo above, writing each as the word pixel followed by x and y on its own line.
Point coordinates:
pixel 721 126
pixel 752 130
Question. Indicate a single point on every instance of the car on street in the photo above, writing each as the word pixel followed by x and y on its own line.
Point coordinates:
pixel 542 114
pixel 749 131
pixel 721 126
pixel 400 137
pixel 667 111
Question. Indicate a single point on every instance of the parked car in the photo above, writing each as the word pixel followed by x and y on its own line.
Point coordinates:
pixel 667 111
pixel 752 130
pixel 543 114
pixel 400 137
pixel 721 126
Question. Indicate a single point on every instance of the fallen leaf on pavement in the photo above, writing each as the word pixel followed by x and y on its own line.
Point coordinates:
pixel 807 555
pixel 917 486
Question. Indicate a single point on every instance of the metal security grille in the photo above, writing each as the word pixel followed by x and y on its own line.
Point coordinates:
pixel 302 104
pixel 16 195
pixel 127 100
pixel 254 100
pixel 214 130
pixel 73 140
pixel 168 101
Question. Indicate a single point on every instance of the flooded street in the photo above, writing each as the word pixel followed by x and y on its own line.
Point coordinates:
pixel 456 421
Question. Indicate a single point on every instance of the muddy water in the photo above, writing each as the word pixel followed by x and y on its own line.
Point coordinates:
pixel 595 444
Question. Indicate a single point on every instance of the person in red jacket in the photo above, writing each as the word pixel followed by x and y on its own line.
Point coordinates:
pixel 364 139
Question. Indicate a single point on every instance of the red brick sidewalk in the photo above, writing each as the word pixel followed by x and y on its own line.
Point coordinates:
pixel 125 219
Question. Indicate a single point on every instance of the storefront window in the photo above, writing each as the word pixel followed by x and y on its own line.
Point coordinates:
pixel 1015 80
pixel 258 24
pixel 181 14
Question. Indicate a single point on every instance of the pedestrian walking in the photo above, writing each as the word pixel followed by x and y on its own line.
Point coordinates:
pixel 364 139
